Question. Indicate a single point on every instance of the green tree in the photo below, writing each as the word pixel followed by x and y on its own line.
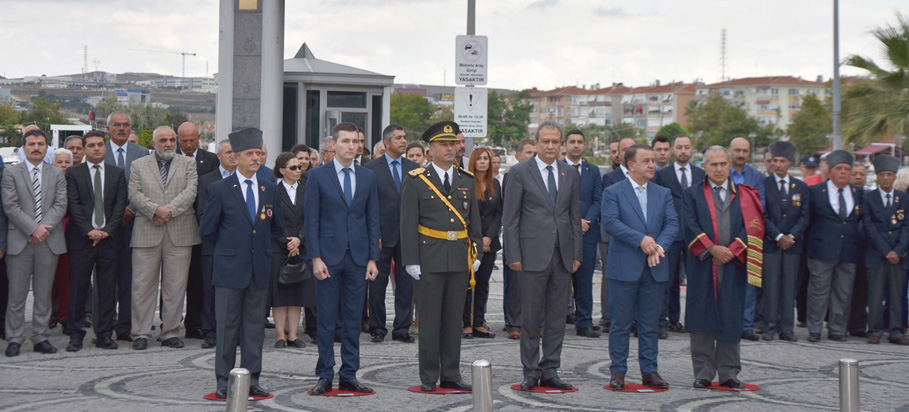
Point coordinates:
pixel 9 117
pixel 879 104
pixel 716 123
pixel 107 106
pixel 43 113
pixel 411 111
pixel 175 118
pixel 810 125
pixel 143 116
pixel 445 113
pixel 507 117
pixel 671 130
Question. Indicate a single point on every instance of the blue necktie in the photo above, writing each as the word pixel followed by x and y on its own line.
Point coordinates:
pixel 120 160
pixel 347 189
pixel 552 185
pixel 396 175
pixel 250 200
pixel 642 198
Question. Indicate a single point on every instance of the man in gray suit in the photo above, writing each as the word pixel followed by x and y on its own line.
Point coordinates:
pixel 34 199
pixel 121 153
pixel 542 225
pixel 163 191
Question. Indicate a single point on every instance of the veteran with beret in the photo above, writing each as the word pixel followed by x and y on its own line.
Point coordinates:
pixel 440 234
pixel 887 242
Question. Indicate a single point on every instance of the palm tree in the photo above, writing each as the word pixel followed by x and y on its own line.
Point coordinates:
pixel 878 105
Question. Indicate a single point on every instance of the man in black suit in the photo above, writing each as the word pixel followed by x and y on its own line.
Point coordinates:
pixel 206 162
pixel 97 198
pixel 228 164
pixel 677 177
pixel 390 170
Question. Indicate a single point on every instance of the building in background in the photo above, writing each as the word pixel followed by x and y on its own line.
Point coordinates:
pixel 771 100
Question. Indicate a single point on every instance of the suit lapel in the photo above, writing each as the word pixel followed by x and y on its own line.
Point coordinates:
pixel 651 203
pixel 386 174
pixel 334 181
pixel 561 168
pixel 282 193
pixel 537 176
pixel 238 195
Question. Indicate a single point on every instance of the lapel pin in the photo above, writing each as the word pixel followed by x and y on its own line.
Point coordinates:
pixel 263 188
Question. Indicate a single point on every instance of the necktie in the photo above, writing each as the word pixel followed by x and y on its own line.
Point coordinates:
pixel 120 160
pixel 842 210
pixel 578 168
pixel 446 183
pixel 684 178
pixel 189 155
pixel 163 171
pixel 642 198
pixel 250 200
pixel 718 197
pixel 395 175
pixel 348 197
pixel 36 187
pixel 783 188
pixel 889 204
pixel 552 185
pixel 99 200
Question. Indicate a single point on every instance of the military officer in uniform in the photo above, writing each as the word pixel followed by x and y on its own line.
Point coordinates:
pixel 440 231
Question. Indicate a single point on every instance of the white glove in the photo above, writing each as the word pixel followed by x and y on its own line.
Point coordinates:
pixel 476 266
pixel 413 271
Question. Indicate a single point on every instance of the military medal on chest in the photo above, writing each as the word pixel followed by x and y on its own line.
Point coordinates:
pixel 262 213
pixel 797 200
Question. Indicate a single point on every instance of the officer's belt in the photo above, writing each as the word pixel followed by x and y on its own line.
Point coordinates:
pixel 443 234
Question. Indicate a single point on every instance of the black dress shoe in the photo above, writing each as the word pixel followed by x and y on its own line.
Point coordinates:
pixel 676 327
pixel 104 342
pixel 209 342
pixel 221 393
pixel 45 347
pixel 467 335
pixel 483 335
pixel 12 349
pixel 428 387
pixel 377 337
pixel 280 343
pixel 701 383
pixel 322 387
pixel 354 385
pixel 788 337
pixel 529 384
pixel 617 381
pixel 750 335
pixel 555 383
pixel 194 333
pixel 837 338
pixel 588 333
pixel 52 323
pixel 174 342
pixel 859 333
pixel 767 336
pixel 140 344
pixel 404 337
pixel 733 383
pixel 654 380
pixel 457 385
pixel 802 325
pixel 814 337
pixel 663 333
pixel 257 391
pixel 75 343
pixel 596 328
pixel 296 343
pixel 269 324
pixel 571 319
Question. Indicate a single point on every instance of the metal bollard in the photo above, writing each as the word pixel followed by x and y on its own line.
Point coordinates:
pixel 238 390
pixel 849 385
pixel 481 371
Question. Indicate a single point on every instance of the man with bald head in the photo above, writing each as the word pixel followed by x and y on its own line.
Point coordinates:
pixel 206 162
pixel 741 173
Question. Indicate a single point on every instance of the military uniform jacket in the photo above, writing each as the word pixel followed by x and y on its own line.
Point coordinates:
pixel 785 215
pixel 829 236
pixel 886 229
pixel 421 206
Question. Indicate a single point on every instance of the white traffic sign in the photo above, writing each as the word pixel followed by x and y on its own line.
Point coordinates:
pixel 470 60
pixel 470 107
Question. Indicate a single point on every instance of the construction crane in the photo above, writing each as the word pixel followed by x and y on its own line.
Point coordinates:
pixel 184 54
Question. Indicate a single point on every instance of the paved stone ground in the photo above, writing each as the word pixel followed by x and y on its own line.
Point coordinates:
pixel 793 377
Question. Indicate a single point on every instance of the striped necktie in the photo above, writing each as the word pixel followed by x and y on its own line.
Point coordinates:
pixel 36 187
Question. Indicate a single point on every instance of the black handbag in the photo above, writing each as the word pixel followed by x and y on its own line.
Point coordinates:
pixel 293 271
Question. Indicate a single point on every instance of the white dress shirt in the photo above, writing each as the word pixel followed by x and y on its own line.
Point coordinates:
pixel 834 195
pixel 91 172
pixel 31 169
pixel 353 177
pixel 545 173
pixel 884 196
pixel 678 172
pixel 723 189
pixel 442 172
pixel 291 191
pixel 255 186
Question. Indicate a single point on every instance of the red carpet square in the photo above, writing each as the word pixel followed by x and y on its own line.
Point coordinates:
pixel 540 389
pixel 636 388
pixel 748 387
pixel 438 391
pixel 343 394
pixel 212 397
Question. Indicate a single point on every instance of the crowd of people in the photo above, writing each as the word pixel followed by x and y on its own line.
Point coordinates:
pixel 106 234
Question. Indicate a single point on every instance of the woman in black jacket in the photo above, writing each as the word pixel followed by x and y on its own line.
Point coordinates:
pixel 489 195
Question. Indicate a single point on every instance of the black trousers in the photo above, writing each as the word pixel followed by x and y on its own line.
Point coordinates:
pixel 81 263
pixel 209 324
pixel 195 293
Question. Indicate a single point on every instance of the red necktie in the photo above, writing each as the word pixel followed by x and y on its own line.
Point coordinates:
pixel 189 155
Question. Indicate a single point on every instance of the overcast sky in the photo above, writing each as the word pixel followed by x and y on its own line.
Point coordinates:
pixel 532 43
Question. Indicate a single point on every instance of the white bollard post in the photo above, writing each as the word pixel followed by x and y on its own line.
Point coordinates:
pixel 481 372
pixel 849 385
pixel 238 390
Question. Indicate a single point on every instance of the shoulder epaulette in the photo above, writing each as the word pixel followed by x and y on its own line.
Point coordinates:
pixel 462 170
pixel 416 172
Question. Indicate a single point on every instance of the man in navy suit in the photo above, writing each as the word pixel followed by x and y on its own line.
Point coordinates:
pixel 341 199
pixel 390 170
pixel 885 227
pixel 642 224
pixel 786 217
pixel 591 192
pixel 242 220
pixel 836 213
pixel 677 176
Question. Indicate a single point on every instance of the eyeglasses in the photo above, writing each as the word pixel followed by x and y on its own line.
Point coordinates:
pixel 119 124
pixel 294 168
